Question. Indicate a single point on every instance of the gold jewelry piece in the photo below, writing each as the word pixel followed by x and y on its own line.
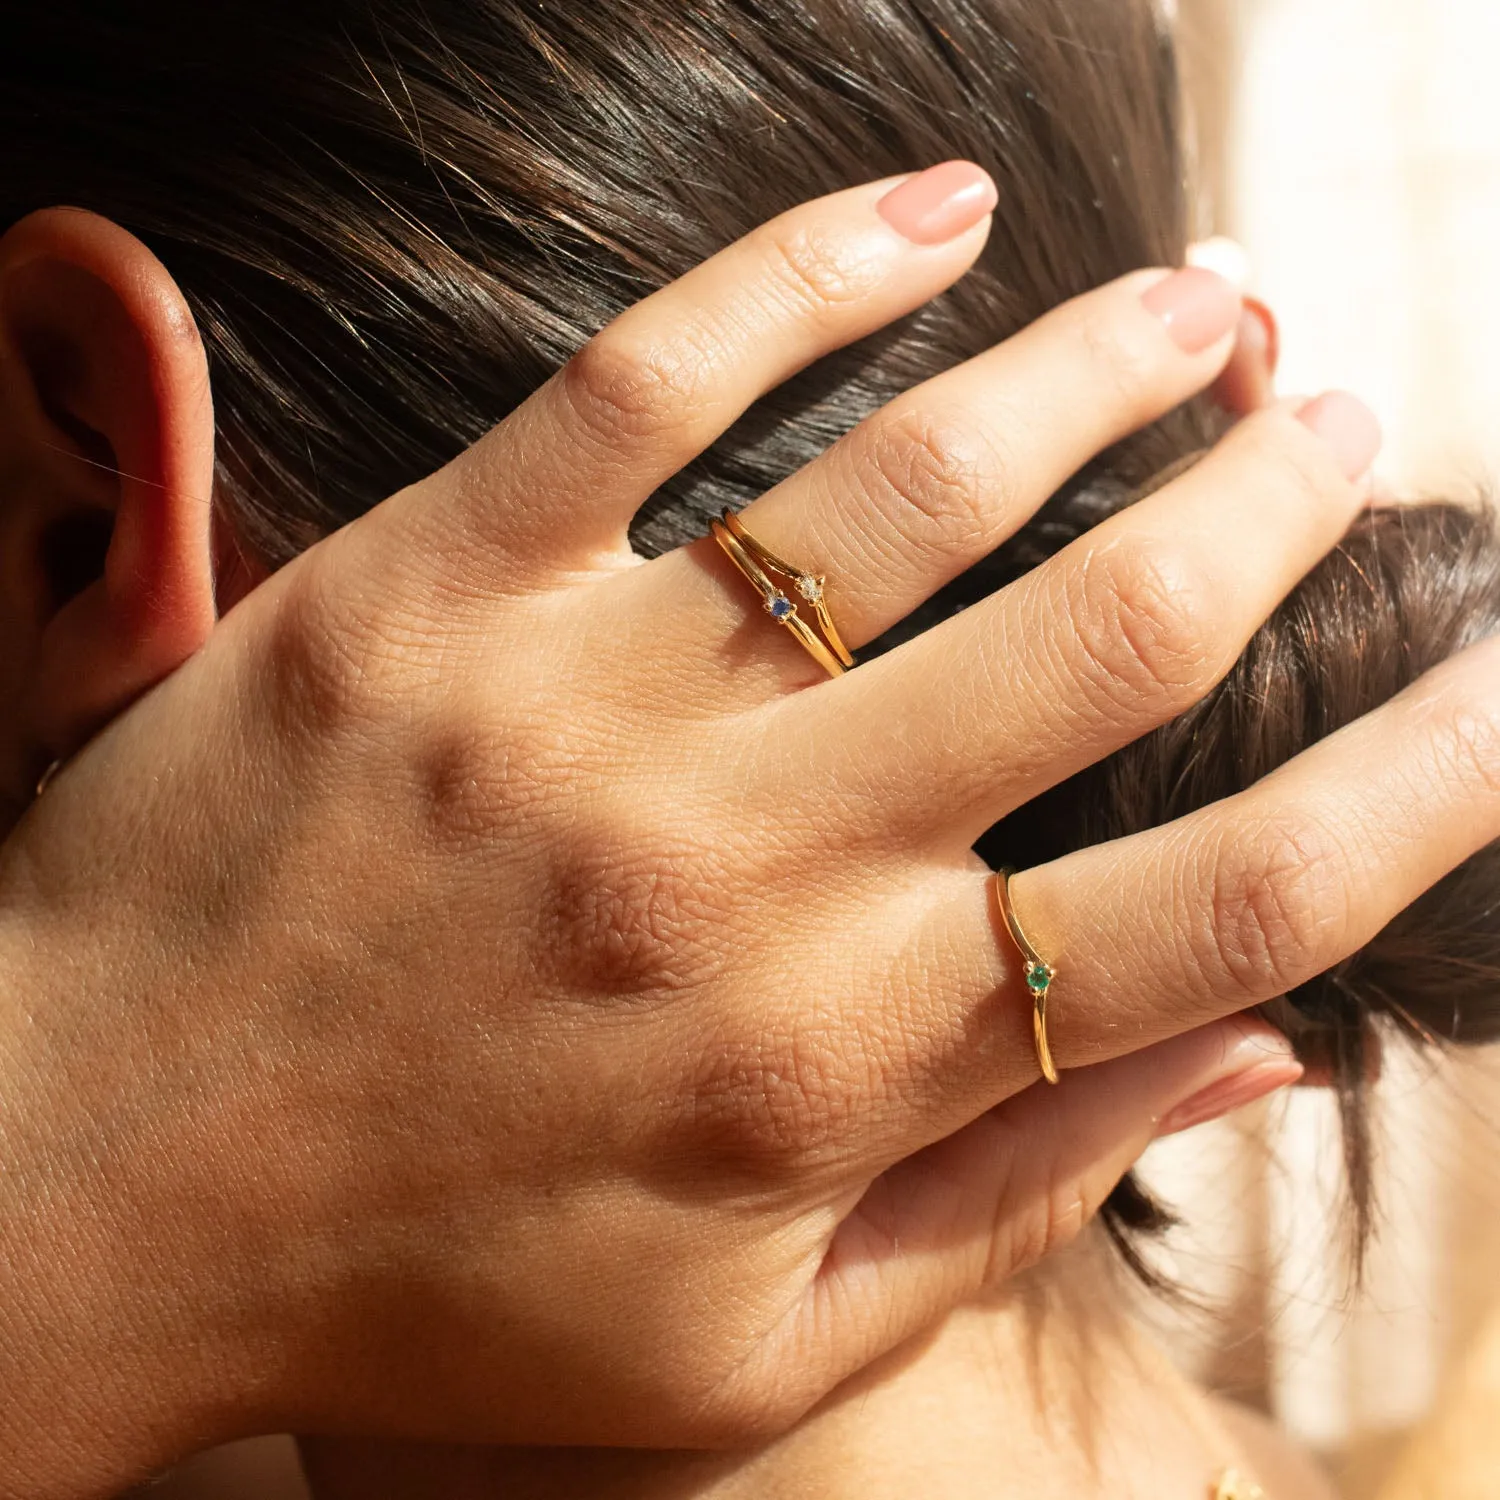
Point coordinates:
pixel 809 585
pixel 1039 975
pixel 756 561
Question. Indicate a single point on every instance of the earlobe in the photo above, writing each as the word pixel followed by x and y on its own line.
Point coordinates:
pixel 105 411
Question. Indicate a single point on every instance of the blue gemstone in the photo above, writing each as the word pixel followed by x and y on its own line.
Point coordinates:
pixel 780 607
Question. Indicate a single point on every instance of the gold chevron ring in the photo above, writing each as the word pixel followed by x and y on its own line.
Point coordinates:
pixel 1039 975
pixel 757 562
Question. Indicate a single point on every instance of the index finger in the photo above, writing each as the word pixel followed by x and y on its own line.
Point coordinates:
pixel 557 482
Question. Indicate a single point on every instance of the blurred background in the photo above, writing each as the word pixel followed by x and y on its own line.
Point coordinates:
pixel 1352 148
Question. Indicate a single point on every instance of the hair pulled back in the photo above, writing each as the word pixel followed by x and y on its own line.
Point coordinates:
pixel 393 221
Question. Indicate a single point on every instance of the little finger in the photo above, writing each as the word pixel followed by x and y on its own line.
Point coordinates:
pixel 1017 1184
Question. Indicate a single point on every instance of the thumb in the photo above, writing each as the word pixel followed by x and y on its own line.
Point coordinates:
pixel 1018 1183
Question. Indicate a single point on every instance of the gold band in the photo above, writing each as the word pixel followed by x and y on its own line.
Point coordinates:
pixel 753 559
pixel 1039 974
pixel 809 585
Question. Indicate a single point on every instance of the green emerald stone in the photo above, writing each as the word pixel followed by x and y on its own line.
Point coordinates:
pixel 1038 977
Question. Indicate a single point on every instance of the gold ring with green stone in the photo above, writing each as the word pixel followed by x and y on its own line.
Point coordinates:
pixel 1039 974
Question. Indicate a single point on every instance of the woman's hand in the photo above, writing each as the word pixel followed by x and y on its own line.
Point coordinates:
pixel 528 1002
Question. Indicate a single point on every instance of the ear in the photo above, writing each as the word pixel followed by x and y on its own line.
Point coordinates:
pixel 107 444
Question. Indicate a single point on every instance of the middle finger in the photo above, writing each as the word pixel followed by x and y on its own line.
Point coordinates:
pixel 1120 632
pixel 940 476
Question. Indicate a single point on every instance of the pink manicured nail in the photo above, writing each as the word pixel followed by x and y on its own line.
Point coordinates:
pixel 939 204
pixel 1228 1094
pixel 1198 307
pixel 1348 426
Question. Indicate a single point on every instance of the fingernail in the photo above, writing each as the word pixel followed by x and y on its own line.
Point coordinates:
pixel 1198 307
pixel 939 204
pixel 1258 316
pixel 1230 1093
pixel 1348 426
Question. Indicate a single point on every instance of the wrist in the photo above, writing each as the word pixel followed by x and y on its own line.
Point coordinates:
pixel 124 1328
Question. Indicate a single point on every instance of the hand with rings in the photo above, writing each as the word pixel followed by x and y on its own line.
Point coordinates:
pixel 589 1021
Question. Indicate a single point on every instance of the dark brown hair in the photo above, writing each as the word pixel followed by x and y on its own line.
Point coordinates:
pixel 394 219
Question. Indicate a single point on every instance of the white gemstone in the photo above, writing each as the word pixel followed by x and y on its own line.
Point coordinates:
pixel 811 589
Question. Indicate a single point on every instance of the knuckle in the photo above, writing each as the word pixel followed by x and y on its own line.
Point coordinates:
pixel 1127 370
pixel 333 667
pixel 623 388
pixel 1293 463
pixel 769 1106
pixel 812 266
pixel 618 924
pixel 1142 620
pixel 478 783
pixel 927 473
pixel 1466 747
pixel 1278 906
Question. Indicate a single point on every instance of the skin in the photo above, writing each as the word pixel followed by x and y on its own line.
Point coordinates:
pixel 1047 1384
pixel 694 986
